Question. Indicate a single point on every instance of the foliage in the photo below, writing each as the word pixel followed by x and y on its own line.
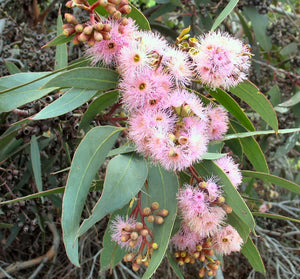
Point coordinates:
pixel 80 123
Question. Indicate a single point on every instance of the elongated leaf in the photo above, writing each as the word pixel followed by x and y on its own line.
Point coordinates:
pixel 213 156
pixel 59 40
pixel 257 133
pixel 97 186
pixel 281 182
pixel 125 148
pixel 249 93
pixel 163 187
pixel 70 100
pixel 97 106
pixel 85 77
pixel 36 163
pixel 275 216
pixel 112 253
pixel 12 99
pixel 12 68
pixel 232 106
pixel 227 10
pixel 174 265
pixel 125 176
pixel 88 158
pixel 233 198
pixel 275 95
pixel 289 144
pixel 294 100
pixel 139 17
pixel 260 23
pixel 164 9
pixel 250 251
pixel 246 28
pixel 241 227
pixel 235 145
pixel 61 55
pixel 252 150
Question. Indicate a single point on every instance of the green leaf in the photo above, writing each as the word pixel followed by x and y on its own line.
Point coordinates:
pixel 257 133
pixel 35 159
pixel 281 182
pixel 87 160
pixel 164 9
pixel 246 28
pixel 6 226
pixel 232 106
pixel 70 100
pixel 163 187
pixel 235 145
pixel 61 55
pixel 97 106
pixel 233 198
pixel 291 141
pixel 275 95
pixel 59 40
pixel 241 227
pixel 139 17
pixel 249 93
pixel 275 216
pixel 294 100
pixel 85 77
pixel 227 10
pixel 260 23
pixel 125 176
pixel 250 251
pixel 213 156
pixel 289 49
pixel 11 99
pixel 12 68
pixel 252 150
pixel 174 265
pixel 112 253
pixel 125 148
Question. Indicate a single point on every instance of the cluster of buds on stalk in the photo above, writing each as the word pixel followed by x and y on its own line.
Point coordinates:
pixel 204 254
pixel 136 236
pixel 96 29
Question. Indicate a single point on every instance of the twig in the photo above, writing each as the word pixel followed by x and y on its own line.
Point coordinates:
pixel 94 262
pixel 128 271
pixel 283 12
pixel 6 274
pixel 48 256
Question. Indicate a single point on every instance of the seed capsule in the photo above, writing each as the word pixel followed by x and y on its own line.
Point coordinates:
pixel 147 211
pixel 150 219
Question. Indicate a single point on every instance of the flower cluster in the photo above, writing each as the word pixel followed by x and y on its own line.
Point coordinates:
pixel 204 230
pixel 168 123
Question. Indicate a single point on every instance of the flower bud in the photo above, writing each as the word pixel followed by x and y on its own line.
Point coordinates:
pixel 159 220
pixel 71 19
pixel 181 261
pixel 103 3
pixel 213 266
pixel 106 36
pixel 177 254
pixel 154 245
pixel 202 185
pixel 144 232
pixel 132 243
pixel 139 259
pixel 114 2
pixel 110 9
pixel 134 235
pixel 183 140
pixel 129 257
pixel 98 36
pixel 150 218
pixel 163 213
pixel 201 272
pixel 88 30
pixel 79 28
pixel 135 266
pixel 202 257
pixel 147 211
pixel 154 206
pixel 82 37
pixel 99 26
pixel 91 42
pixel 125 10
pixel 199 248
pixel 183 254
pixel 106 27
pixel 69 4
pixel 124 237
pixel 139 226
pixel 117 15
pixel 227 208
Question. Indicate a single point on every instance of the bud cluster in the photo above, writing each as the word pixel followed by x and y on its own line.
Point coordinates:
pixel 135 236
pixel 204 254
pixel 95 30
